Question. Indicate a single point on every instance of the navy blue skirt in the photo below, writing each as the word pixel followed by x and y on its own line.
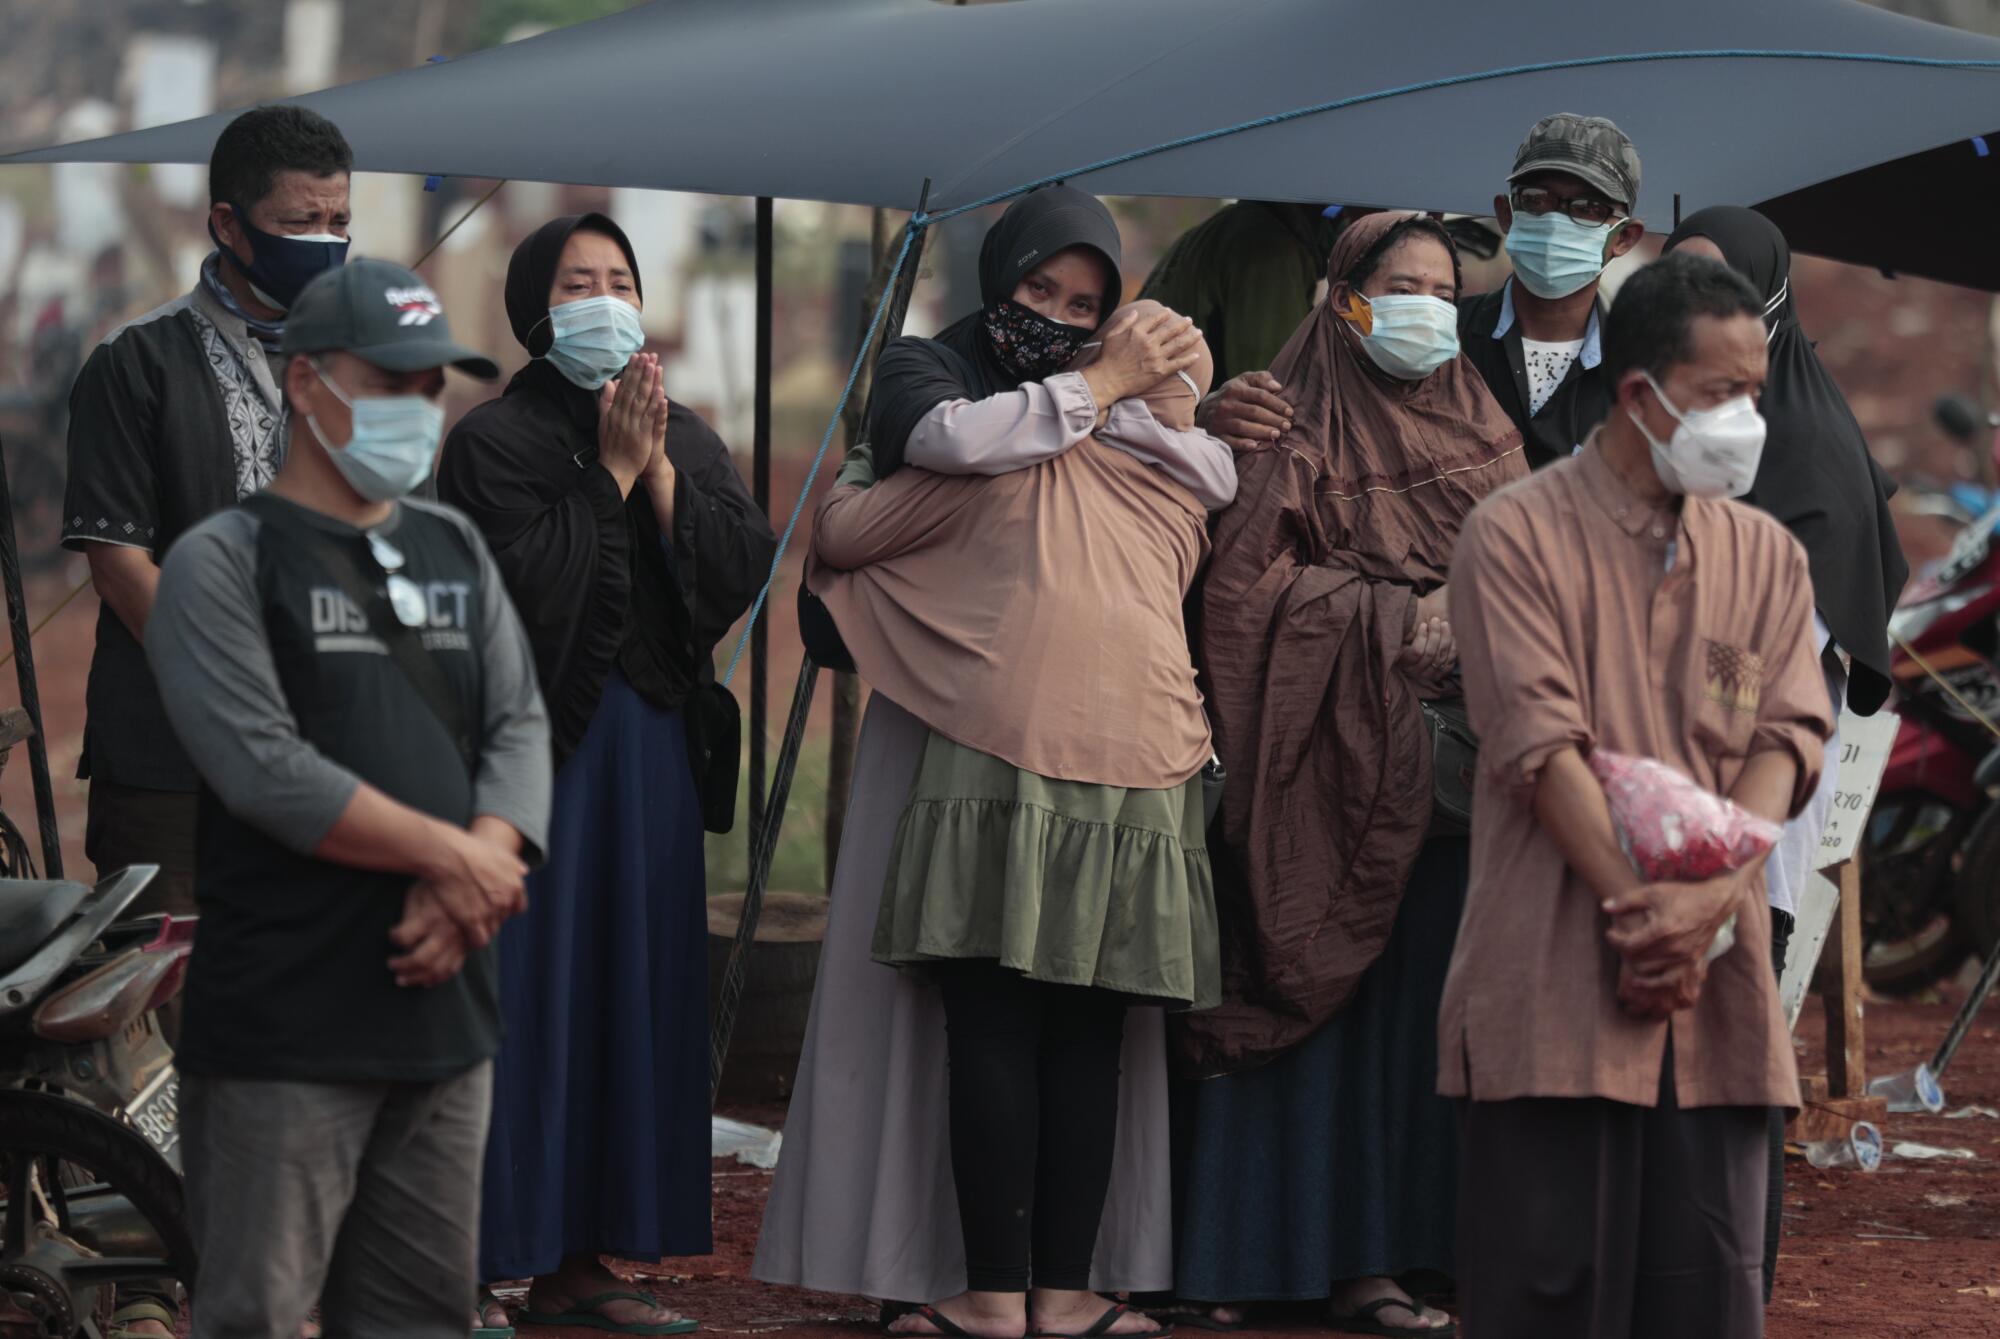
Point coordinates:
pixel 600 1096
pixel 1338 1160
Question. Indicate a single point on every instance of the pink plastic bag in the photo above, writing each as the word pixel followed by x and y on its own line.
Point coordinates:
pixel 1673 830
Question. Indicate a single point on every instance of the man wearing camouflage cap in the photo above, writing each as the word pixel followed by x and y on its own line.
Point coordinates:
pixel 1536 339
pixel 356 693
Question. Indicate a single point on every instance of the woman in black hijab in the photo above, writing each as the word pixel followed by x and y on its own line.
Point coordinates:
pixel 869 1197
pixel 1817 475
pixel 1819 479
pixel 629 546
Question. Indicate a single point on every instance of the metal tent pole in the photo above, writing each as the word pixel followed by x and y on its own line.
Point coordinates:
pixel 1967 1013
pixel 24 670
pixel 764 837
pixel 760 486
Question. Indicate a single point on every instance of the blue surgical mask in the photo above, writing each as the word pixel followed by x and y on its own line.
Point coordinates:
pixel 1410 335
pixel 394 445
pixel 1554 255
pixel 282 264
pixel 594 339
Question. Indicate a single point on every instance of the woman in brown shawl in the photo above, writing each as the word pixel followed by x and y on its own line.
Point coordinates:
pixel 1321 1164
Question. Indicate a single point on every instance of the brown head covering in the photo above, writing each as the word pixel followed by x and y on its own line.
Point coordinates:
pixel 1312 595
pixel 1034 615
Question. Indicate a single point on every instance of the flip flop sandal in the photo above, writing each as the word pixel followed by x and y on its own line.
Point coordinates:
pixel 487 1301
pixel 888 1313
pixel 1118 1311
pixel 940 1322
pixel 588 1315
pixel 125 1317
pixel 1368 1320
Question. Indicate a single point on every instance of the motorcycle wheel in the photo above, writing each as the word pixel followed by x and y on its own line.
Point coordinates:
pixel 88 1206
pixel 1977 894
pixel 1908 866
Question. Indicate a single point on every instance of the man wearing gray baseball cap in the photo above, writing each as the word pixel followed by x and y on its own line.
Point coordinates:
pixel 1536 339
pixel 344 668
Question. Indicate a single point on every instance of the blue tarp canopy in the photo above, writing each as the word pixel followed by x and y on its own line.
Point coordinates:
pixel 1795 102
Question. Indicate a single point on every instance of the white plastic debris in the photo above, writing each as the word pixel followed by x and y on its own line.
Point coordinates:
pixel 751 1145
pixel 1910 1092
pixel 1927 1152
pixel 1967 1113
pixel 1860 1147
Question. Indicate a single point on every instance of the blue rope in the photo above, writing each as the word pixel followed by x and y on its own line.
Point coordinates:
pixel 819 457
pixel 920 220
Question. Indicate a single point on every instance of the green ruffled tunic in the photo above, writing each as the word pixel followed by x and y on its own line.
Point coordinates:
pixel 1063 881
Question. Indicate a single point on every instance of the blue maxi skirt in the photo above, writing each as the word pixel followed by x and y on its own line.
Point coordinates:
pixel 1338 1160
pixel 600 1095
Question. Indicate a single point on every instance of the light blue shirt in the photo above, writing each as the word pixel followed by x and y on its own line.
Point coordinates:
pixel 1589 356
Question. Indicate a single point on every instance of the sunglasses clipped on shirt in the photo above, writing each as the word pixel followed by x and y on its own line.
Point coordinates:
pixel 1588 210
pixel 406 598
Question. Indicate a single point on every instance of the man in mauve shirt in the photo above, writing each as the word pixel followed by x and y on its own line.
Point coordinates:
pixel 1618 1082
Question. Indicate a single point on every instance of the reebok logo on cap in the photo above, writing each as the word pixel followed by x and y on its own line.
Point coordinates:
pixel 417 306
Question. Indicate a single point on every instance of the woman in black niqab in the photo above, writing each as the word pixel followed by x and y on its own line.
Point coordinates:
pixel 1002 345
pixel 1817 475
pixel 862 1198
pixel 1819 479
pixel 599 1140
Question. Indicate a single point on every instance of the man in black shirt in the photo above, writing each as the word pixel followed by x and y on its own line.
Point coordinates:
pixel 352 684
pixel 1535 339
pixel 174 417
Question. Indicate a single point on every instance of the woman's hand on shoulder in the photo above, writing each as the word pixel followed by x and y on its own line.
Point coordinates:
pixel 1140 352
pixel 1248 412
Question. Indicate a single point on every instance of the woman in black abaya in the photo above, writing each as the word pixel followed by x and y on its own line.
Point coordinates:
pixel 1819 479
pixel 629 545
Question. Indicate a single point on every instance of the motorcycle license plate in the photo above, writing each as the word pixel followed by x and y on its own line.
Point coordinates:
pixel 156 1114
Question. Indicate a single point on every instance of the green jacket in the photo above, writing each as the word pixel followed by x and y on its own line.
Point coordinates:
pixel 1247 275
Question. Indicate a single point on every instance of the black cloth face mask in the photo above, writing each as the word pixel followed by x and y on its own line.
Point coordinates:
pixel 282 265
pixel 1029 344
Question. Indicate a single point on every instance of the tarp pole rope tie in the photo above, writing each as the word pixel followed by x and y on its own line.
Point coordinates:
pixel 919 221
pixel 462 220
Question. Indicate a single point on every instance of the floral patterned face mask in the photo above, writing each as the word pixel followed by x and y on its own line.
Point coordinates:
pixel 1029 344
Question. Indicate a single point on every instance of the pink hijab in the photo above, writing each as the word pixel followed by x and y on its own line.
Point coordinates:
pixel 1035 615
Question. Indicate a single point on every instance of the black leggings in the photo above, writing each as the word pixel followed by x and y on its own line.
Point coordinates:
pixel 1034 1118
pixel 1774 1196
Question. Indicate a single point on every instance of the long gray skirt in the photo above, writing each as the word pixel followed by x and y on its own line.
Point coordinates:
pixel 863 1202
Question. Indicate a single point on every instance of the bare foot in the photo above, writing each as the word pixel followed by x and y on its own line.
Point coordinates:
pixel 583 1277
pixel 981 1314
pixel 1061 1311
pixel 1355 1294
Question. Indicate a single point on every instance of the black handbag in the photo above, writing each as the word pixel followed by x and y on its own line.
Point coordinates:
pixel 715 752
pixel 820 635
pixel 1454 766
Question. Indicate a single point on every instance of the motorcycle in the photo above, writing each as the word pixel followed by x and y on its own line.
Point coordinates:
pixel 89 1142
pixel 1927 897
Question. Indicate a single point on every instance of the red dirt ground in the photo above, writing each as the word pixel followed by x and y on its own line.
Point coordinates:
pixel 1850 1263
pixel 1833 1279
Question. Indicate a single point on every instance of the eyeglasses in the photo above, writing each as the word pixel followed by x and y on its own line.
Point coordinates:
pixel 1585 209
pixel 406 598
